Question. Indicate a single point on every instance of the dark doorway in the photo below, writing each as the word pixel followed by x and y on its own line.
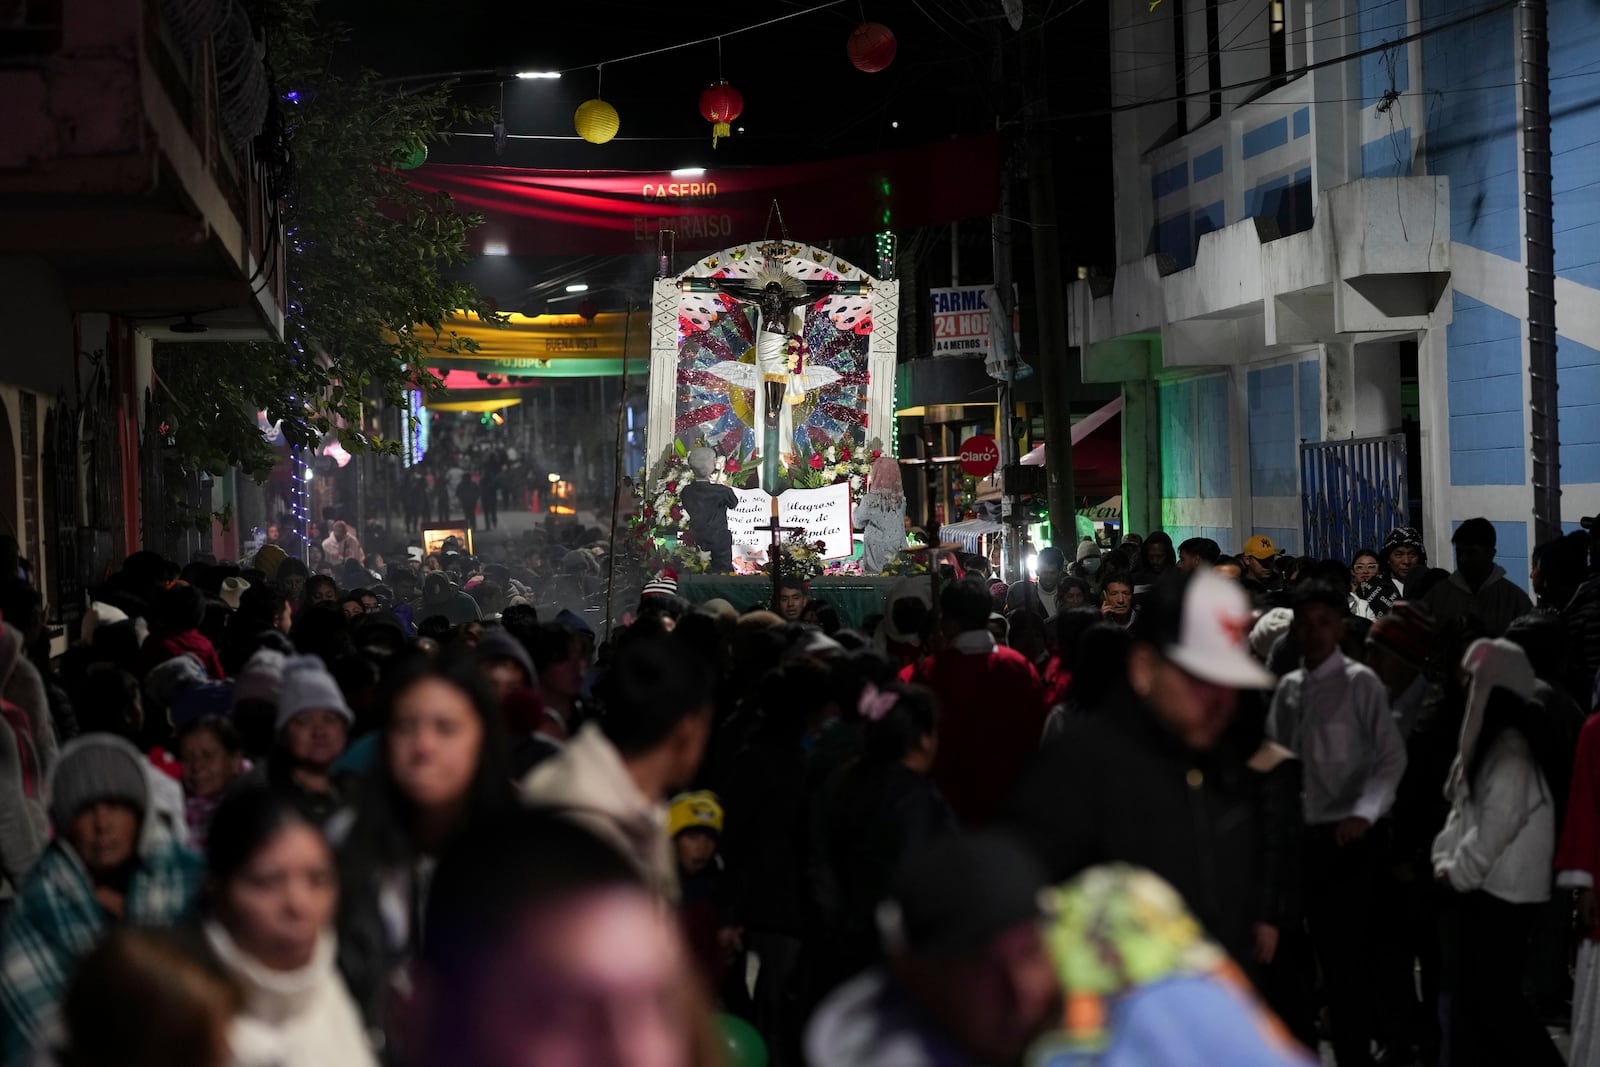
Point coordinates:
pixel 8 478
pixel 1411 426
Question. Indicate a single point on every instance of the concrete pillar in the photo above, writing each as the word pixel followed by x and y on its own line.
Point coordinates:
pixel 1243 510
pixel 1141 456
pixel 1339 391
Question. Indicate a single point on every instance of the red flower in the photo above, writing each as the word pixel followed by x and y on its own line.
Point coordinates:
pixel 816 461
pixel 647 514
pixel 821 546
pixel 844 455
pixel 677 513
pixel 733 466
pixel 876 453
pixel 672 487
pixel 686 539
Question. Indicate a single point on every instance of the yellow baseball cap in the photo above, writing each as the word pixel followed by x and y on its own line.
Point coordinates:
pixel 1261 547
pixel 694 811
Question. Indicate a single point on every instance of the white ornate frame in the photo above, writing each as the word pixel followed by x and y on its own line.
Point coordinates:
pixel 664 306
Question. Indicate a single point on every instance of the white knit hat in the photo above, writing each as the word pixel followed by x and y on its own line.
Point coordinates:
pixel 1271 626
pixel 100 614
pixel 307 686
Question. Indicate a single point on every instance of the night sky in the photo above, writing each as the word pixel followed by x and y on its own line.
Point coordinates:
pixel 803 99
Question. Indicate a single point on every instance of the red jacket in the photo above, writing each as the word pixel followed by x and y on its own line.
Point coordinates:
pixel 1057 680
pixel 992 714
pixel 160 649
pixel 1578 854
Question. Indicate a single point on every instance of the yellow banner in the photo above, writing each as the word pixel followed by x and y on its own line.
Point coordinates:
pixel 475 405
pixel 544 338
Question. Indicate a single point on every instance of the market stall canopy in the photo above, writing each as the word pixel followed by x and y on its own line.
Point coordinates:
pixel 615 212
pixel 969 534
pixel 546 346
pixel 1096 452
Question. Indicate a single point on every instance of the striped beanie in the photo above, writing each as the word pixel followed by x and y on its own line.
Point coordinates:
pixel 664 583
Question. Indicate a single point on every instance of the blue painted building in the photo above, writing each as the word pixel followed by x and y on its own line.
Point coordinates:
pixel 1313 264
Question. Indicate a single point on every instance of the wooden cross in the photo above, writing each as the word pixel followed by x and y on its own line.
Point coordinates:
pixel 776 551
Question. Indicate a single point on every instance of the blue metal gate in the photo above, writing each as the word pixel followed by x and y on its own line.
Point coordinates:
pixel 1352 493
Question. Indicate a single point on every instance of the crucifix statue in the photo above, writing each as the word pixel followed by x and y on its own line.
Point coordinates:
pixel 777 295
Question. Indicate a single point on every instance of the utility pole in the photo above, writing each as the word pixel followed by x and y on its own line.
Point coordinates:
pixel 1010 517
pixel 1049 293
pixel 1533 57
pixel 1011 568
pixel 1011 562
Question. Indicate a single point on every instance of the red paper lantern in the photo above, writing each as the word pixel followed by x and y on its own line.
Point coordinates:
pixel 872 47
pixel 588 310
pixel 720 104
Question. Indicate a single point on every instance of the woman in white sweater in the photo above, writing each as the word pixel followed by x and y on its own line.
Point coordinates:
pixel 1495 854
pixel 271 895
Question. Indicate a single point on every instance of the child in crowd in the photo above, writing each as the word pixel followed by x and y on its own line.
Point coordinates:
pixel 212 755
pixel 694 821
pixel 179 613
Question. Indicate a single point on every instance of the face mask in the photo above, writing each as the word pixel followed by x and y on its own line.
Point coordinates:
pixel 1090 565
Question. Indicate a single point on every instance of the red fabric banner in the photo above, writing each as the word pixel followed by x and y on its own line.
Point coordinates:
pixel 563 212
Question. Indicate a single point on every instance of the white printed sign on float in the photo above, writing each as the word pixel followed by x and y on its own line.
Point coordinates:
pixel 750 544
pixel 823 513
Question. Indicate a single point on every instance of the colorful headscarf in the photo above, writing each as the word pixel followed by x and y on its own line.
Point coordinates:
pixel 1116 931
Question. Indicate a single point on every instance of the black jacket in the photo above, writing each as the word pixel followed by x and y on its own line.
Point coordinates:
pixel 867 819
pixel 1116 787
pixel 1280 831
pixel 766 836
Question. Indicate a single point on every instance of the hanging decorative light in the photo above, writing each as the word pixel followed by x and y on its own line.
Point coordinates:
pixel 720 104
pixel 596 121
pixel 871 47
pixel 416 154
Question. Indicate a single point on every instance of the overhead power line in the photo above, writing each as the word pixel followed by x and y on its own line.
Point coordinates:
pixel 1332 61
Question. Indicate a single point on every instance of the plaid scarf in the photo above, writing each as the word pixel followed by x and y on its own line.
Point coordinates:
pixel 57 921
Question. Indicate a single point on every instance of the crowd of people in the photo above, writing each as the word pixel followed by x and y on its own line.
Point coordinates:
pixel 1155 806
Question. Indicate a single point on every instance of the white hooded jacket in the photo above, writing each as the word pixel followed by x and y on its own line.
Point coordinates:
pixel 1501 834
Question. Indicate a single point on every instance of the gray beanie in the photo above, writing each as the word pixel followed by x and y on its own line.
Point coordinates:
pixel 307 686
pixel 166 681
pixel 96 767
pixel 1087 548
pixel 262 677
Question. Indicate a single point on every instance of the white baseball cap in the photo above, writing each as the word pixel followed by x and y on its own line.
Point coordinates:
pixel 1210 643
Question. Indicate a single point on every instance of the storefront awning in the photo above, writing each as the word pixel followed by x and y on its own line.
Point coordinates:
pixel 1109 510
pixel 1096 452
pixel 969 534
